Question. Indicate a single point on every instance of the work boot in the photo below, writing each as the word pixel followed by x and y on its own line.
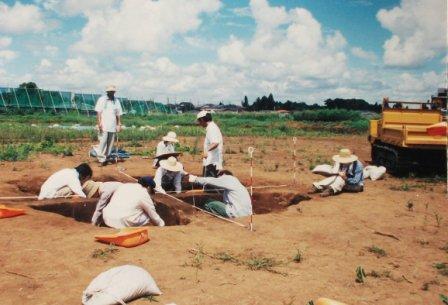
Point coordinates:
pixel 327 193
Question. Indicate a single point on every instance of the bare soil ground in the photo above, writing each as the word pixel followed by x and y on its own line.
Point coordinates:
pixel 46 258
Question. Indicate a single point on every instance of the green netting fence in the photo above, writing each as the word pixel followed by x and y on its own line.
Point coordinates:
pixel 13 99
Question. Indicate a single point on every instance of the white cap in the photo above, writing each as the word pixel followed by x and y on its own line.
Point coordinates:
pixel 201 114
pixel 111 88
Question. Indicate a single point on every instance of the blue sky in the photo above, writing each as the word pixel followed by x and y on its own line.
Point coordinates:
pixel 211 50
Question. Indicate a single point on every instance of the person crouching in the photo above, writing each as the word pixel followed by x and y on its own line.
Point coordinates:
pixel 236 199
pixel 347 177
pixel 131 206
pixel 66 182
pixel 169 176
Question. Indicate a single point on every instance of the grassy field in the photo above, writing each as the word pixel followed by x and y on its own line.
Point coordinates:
pixel 21 135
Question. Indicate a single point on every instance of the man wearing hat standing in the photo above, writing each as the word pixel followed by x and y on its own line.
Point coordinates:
pixel 166 146
pixel 347 177
pixel 169 176
pixel 131 206
pixel 109 111
pixel 213 145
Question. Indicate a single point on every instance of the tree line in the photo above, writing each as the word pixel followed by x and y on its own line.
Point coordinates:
pixel 269 103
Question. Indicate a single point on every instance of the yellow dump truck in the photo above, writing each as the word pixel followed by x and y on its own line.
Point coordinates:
pixel 400 139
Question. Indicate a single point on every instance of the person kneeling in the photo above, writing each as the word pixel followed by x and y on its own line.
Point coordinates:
pixel 66 182
pixel 169 176
pixel 132 206
pixel 348 176
pixel 236 198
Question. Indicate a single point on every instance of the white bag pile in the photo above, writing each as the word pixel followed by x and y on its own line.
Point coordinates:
pixel 119 285
pixel 374 172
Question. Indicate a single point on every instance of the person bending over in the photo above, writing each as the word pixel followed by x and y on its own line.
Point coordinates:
pixel 348 176
pixel 169 176
pixel 66 182
pixel 236 199
pixel 132 206
pixel 103 191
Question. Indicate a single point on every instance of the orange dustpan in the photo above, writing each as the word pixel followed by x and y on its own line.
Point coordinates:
pixel 439 129
pixel 325 301
pixel 126 237
pixel 6 212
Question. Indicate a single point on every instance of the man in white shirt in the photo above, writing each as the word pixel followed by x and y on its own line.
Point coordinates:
pixel 66 182
pixel 236 198
pixel 103 190
pixel 213 145
pixel 132 206
pixel 109 113
pixel 166 146
pixel 169 176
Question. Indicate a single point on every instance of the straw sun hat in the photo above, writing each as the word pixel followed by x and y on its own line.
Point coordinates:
pixel 171 164
pixel 345 156
pixel 111 88
pixel 90 187
pixel 171 137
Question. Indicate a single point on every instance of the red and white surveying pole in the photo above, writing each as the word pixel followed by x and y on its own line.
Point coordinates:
pixel 251 150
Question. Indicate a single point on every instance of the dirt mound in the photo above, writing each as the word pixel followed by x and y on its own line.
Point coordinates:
pixel 28 185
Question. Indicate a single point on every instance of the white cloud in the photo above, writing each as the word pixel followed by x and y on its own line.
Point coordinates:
pixel 287 45
pixel 418 29
pixel 243 11
pixel 76 7
pixel 140 25
pixel 21 18
pixel 51 50
pixel 5 42
pixel 45 63
pixel 363 54
pixel 7 55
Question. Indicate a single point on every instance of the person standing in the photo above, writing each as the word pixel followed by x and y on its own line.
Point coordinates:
pixel 109 112
pixel 213 144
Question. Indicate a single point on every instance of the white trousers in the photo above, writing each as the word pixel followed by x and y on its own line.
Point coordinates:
pixel 336 183
pixel 105 146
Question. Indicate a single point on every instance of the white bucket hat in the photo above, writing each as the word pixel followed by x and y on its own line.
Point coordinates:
pixel 171 137
pixel 90 187
pixel 111 88
pixel 201 114
pixel 171 165
pixel 345 156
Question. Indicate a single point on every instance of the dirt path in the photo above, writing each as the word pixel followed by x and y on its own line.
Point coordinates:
pixel 46 258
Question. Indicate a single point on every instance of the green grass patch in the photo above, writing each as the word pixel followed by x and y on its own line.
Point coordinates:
pixel 19 152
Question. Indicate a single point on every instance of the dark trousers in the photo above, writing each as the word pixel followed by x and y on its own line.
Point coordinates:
pixel 210 171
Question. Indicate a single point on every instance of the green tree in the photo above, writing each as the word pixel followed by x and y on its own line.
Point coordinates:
pixel 29 85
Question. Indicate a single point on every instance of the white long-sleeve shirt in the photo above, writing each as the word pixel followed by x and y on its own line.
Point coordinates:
pixel 235 195
pixel 131 206
pixel 106 190
pixel 213 135
pixel 175 177
pixel 65 177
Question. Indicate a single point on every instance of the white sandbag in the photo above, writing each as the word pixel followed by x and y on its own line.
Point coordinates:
pixel 366 171
pixel 119 285
pixel 377 173
pixel 323 169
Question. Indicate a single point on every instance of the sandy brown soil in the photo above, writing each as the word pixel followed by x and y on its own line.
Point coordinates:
pixel 46 258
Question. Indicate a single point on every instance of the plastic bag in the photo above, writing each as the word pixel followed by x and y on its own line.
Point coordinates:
pixel 119 285
pixel 324 170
